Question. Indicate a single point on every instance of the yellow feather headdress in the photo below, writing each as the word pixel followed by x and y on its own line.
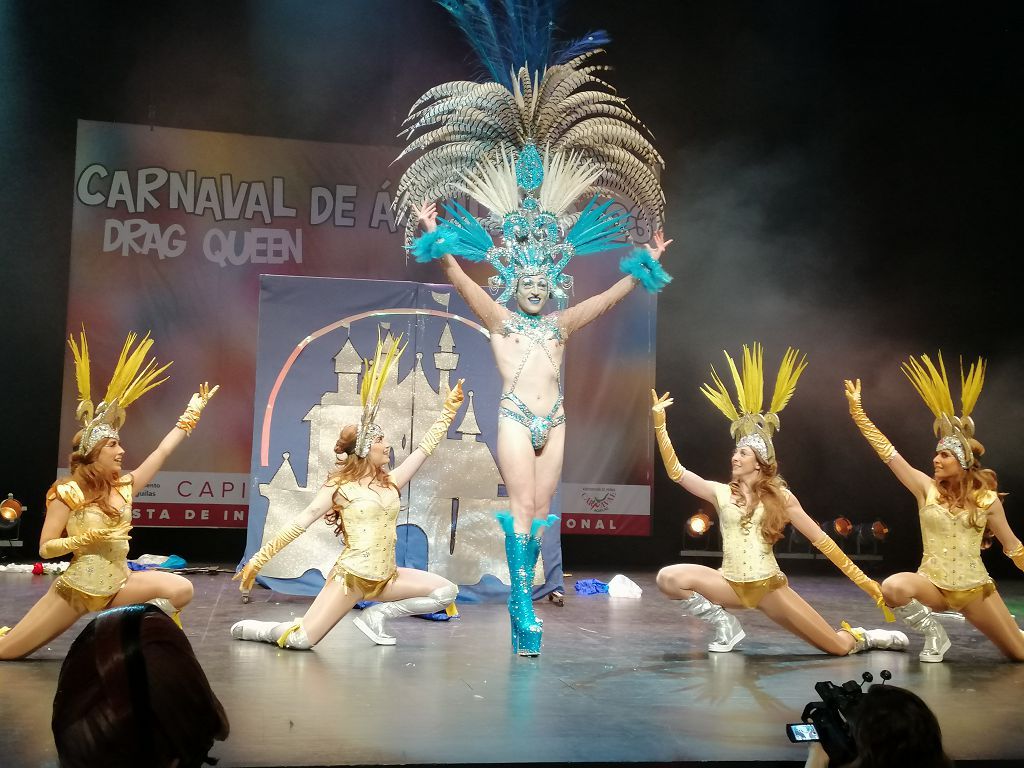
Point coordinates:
pixel 932 385
pixel 749 427
pixel 375 376
pixel 132 378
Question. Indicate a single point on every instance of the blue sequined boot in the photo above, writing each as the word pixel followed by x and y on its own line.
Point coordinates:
pixel 526 630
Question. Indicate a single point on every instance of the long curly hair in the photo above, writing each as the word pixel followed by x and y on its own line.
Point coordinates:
pixel 769 490
pixel 962 492
pixel 352 468
pixel 96 484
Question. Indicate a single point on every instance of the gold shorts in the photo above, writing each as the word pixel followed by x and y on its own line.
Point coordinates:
pixel 751 593
pixel 352 583
pixel 959 598
pixel 79 600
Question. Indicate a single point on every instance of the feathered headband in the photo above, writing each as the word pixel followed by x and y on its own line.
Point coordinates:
pixel 546 134
pixel 749 426
pixel 375 376
pixel 932 385
pixel 130 381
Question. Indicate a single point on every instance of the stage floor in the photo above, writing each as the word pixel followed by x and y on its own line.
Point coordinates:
pixel 620 680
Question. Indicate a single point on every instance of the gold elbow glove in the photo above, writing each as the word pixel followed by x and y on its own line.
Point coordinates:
pixel 439 428
pixel 248 573
pixel 188 420
pixel 1017 555
pixel 64 546
pixel 885 450
pixel 674 469
pixel 831 550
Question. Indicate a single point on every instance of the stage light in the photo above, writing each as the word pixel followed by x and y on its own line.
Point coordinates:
pixel 841 527
pixel 10 512
pixel 698 525
pixel 871 535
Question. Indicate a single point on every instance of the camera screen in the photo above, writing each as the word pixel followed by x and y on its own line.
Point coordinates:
pixel 801 732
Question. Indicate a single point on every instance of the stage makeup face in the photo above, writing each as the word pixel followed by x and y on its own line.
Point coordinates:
pixel 744 463
pixel 946 465
pixel 532 293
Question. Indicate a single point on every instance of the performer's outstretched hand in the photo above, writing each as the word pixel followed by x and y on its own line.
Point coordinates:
pixel 188 420
pixel 454 398
pixel 660 244
pixel 658 406
pixel 852 392
pixel 426 214
pixel 247 576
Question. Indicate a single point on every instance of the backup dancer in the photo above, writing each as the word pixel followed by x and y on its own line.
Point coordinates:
pixel 956 504
pixel 89 514
pixel 753 510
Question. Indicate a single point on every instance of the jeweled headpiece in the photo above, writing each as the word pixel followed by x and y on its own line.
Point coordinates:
pixel 130 381
pixel 544 136
pixel 375 376
pixel 932 385
pixel 749 427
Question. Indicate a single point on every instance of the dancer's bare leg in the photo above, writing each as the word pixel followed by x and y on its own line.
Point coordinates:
pixel 149 585
pixel 993 619
pixel 679 582
pixel 329 607
pixel 411 582
pixel 548 472
pixel 50 617
pixel 787 609
pixel 517 461
pixel 901 588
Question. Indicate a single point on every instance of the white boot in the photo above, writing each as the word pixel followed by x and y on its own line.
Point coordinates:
pixel 882 639
pixel 727 627
pixel 286 634
pixel 919 617
pixel 371 621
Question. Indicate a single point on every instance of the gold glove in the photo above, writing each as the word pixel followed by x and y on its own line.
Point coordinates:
pixel 188 420
pixel 885 450
pixel 668 453
pixel 248 573
pixel 58 547
pixel 831 550
pixel 1017 555
pixel 439 428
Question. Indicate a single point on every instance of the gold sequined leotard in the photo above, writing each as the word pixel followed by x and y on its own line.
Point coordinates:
pixel 97 571
pixel 748 562
pixel 368 522
pixel 952 546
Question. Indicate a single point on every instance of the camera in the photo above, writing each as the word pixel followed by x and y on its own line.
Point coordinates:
pixel 831 720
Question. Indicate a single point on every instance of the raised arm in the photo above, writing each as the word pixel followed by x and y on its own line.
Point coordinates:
pixel 147 470
pixel 491 314
pixel 690 481
pixel 637 269
pixel 914 480
pixel 321 504
pixel 824 543
pixel 403 473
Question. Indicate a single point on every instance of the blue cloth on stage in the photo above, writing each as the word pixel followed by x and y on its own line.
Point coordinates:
pixel 172 563
pixel 591 587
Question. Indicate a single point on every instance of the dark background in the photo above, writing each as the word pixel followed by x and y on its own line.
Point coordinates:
pixel 843 177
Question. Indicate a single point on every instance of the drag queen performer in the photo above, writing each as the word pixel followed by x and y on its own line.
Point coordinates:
pixel 89 514
pixel 361 499
pixel 957 503
pixel 531 148
pixel 753 509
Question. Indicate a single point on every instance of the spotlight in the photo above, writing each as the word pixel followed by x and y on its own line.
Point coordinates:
pixel 698 525
pixel 870 535
pixel 10 512
pixel 841 527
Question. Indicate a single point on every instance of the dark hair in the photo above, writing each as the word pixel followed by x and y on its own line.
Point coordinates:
pixel 895 729
pixel 131 692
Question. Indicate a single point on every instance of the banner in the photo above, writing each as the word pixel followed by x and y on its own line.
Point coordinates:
pixel 171 232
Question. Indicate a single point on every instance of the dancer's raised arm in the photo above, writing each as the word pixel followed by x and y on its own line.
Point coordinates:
pixel 690 481
pixel 914 480
pixel 146 471
pixel 403 473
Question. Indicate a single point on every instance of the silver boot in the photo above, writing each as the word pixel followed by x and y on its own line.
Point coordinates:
pixel 882 639
pixel 371 621
pixel 292 633
pixel 919 617
pixel 727 627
